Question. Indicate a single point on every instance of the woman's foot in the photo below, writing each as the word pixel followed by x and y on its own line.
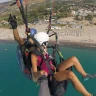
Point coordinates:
pixel 89 76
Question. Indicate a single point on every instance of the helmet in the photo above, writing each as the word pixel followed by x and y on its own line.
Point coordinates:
pixel 33 31
pixel 41 37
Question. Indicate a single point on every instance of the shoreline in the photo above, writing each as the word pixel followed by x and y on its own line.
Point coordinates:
pixel 5 41
pixel 76 45
pixel 67 36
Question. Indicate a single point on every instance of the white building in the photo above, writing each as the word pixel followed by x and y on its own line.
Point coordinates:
pixel 73 13
pixel 83 12
pixel 3 22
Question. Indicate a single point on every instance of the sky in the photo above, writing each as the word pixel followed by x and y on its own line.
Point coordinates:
pixel 1 1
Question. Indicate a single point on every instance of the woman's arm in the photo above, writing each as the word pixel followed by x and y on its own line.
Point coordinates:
pixel 34 70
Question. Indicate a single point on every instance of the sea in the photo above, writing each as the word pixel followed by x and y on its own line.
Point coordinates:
pixel 14 83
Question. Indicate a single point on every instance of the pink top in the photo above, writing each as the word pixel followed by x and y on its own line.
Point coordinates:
pixel 43 66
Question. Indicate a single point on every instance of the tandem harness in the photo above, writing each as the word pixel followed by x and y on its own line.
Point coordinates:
pixel 57 88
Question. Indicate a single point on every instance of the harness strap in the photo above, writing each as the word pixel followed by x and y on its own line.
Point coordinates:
pixel 36 52
pixel 41 62
pixel 47 61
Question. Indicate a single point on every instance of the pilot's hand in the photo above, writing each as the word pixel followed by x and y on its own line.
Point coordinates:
pixel 12 21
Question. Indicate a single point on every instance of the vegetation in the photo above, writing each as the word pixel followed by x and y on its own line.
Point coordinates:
pixel 89 17
pixel 40 10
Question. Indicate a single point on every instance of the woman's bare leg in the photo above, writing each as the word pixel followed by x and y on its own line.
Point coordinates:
pixel 73 61
pixel 69 75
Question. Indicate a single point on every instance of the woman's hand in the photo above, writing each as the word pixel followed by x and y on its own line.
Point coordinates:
pixel 43 72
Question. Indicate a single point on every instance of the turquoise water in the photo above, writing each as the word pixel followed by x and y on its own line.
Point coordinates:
pixel 14 83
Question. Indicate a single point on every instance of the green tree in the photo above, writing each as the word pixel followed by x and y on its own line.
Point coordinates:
pixel 89 17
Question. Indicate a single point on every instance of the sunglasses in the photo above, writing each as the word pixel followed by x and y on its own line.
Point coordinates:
pixel 45 43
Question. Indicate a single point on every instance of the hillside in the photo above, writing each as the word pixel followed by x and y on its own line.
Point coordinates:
pixel 38 9
pixel 5 6
pixel 6 9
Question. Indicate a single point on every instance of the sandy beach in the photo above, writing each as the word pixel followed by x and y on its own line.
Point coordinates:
pixel 87 35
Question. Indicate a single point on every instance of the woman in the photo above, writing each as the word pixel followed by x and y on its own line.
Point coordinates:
pixel 62 73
